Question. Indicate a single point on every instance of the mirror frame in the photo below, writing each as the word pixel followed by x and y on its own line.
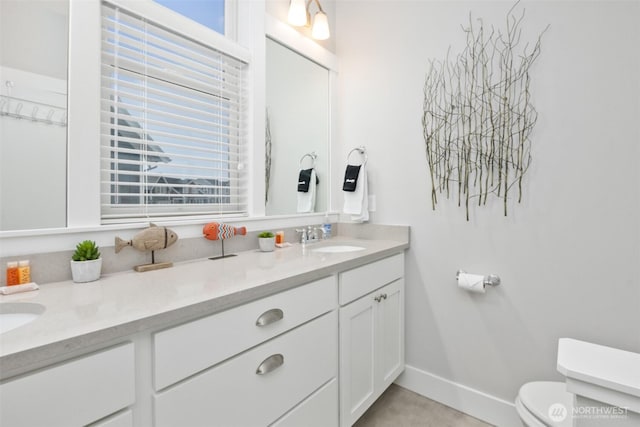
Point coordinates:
pixel 287 36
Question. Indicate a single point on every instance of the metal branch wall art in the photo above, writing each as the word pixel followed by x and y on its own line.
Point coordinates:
pixel 478 115
pixel 267 157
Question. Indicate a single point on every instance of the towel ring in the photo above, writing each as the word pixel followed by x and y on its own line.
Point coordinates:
pixel 313 156
pixel 362 151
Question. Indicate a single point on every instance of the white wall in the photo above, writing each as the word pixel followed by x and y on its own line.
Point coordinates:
pixel 34 36
pixel 569 254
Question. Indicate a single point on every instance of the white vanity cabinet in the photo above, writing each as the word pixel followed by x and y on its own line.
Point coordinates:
pixel 371 334
pixel 315 354
pixel 260 363
pixel 74 393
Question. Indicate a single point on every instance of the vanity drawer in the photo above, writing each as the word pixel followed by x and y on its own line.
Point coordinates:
pixel 184 350
pixel 363 280
pixel 73 393
pixel 121 419
pixel 318 410
pixel 234 394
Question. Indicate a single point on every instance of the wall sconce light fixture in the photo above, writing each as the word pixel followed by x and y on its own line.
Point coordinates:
pixel 299 16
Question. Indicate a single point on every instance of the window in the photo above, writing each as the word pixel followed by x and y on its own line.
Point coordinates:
pixel 172 123
pixel 209 13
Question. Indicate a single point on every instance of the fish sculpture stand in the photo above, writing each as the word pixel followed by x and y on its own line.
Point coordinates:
pixel 219 231
pixel 150 239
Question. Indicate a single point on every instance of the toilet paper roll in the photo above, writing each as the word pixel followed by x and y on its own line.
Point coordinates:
pixel 471 282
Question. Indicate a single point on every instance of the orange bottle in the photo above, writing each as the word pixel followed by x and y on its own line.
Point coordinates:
pixel 24 272
pixel 13 277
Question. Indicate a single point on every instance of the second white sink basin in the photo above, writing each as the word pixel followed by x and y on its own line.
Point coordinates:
pixel 16 314
pixel 333 249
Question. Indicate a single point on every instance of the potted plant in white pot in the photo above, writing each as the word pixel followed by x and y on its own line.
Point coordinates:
pixel 267 241
pixel 86 263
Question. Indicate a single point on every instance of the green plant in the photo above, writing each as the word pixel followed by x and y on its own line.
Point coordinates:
pixel 86 251
pixel 265 234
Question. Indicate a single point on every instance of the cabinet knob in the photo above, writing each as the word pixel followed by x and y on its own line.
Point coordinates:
pixel 269 364
pixel 384 296
pixel 270 316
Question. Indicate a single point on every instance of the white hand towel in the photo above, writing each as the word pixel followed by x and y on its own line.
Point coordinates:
pixel 364 214
pixel 307 201
pixel 356 202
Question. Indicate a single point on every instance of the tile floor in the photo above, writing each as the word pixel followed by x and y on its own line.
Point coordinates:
pixel 399 407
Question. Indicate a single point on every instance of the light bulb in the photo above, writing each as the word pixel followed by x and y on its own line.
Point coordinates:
pixel 320 29
pixel 297 13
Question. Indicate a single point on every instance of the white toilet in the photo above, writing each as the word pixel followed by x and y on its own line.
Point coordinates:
pixel 545 404
pixel 601 388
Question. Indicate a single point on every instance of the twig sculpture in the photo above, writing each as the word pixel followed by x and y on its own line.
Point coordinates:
pixel 478 115
pixel 267 157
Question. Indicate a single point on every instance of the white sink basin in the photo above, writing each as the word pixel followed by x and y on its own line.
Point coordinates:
pixel 334 249
pixel 15 314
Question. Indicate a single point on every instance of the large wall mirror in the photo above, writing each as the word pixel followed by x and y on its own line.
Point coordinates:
pixel 33 113
pixel 298 104
pixel 297 99
pixel 34 40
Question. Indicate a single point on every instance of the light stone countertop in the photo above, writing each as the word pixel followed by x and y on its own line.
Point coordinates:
pixel 81 316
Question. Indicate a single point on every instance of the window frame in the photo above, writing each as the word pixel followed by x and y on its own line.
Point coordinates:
pixel 83 155
pixel 83 161
pixel 177 27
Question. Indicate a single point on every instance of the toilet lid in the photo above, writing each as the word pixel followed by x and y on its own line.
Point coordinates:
pixel 549 402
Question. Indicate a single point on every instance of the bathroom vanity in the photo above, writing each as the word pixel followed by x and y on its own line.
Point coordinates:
pixel 288 338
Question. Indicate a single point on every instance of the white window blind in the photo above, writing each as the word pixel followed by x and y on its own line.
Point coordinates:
pixel 172 123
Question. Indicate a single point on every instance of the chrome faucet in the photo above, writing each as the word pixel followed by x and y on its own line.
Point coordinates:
pixel 303 235
pixel 310 234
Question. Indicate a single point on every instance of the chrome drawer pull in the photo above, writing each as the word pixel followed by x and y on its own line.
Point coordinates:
pixel 270 316
pixel 269 364
pixel 380 297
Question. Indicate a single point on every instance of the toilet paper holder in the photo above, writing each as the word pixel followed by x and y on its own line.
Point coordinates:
pixel 489 280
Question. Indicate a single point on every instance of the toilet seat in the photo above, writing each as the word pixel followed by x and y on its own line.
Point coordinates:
pixel 527 417
pixel 535 398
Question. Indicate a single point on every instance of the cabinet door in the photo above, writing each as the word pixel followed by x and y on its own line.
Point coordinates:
pixel 357 358
pixel 390 334
pixel 371 349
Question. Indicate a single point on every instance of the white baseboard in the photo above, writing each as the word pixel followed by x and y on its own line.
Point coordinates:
pixel 476 403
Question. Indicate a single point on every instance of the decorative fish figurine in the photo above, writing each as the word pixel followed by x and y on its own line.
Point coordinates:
pixel 219 231
pixel 149 239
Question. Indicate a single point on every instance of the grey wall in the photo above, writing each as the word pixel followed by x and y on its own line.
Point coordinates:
pixel 34 36
pixel 569 254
